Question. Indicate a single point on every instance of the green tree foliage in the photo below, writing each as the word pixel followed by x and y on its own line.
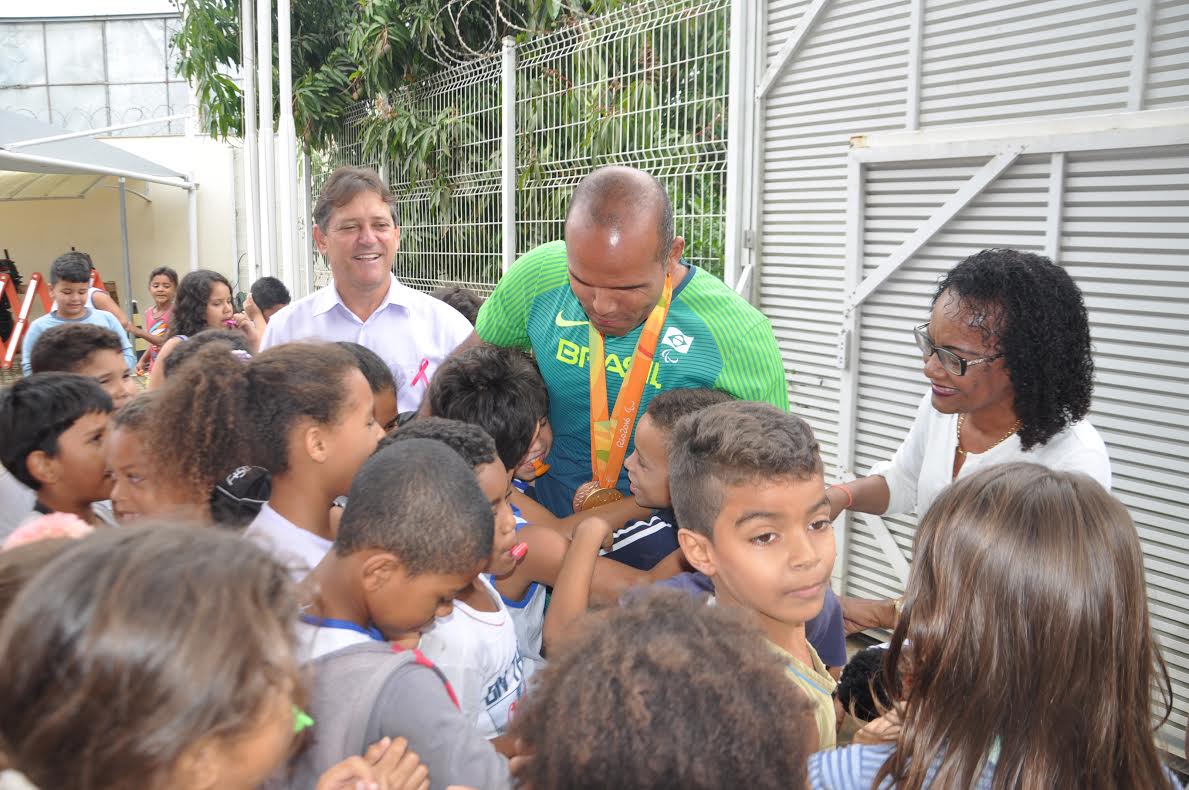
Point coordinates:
pixel 378 81
pixel 346 51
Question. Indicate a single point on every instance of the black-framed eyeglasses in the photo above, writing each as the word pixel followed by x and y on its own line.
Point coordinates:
pixel 949 360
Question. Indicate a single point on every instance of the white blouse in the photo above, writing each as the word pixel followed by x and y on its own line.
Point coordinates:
pixel 924 463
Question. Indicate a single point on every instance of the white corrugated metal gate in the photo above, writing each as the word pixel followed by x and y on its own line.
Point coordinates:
pixel 1055 126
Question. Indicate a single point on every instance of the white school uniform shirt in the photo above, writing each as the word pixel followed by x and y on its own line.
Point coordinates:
pixel 924 463
pixel 299 550
pixel 315 641
pixel 409 330
pixel 478 653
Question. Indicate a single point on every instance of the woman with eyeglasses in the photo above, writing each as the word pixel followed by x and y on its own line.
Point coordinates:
pixel 1007 354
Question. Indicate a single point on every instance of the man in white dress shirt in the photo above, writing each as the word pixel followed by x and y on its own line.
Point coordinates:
pixel 355 229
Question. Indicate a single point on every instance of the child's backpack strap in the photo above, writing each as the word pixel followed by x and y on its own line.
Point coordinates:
pixel 371 664
pixel 347 683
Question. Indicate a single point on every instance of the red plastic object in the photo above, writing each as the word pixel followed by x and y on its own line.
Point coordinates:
pixel 36 289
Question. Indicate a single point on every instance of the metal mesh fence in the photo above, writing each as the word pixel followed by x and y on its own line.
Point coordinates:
pixel 645 86
pixel 450 226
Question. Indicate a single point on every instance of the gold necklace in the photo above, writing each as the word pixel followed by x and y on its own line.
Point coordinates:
pixel 1006 436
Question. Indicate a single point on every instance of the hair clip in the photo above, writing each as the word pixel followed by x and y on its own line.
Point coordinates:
pixel 301 720
pixel 241 355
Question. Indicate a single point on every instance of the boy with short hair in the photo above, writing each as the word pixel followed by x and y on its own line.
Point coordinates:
pixel 464 300
pixel 402 554
pixel 500 390
pixel 89 350
pixel 748 490
pixel 640 543
pixel 266 297
pixel 54 427
pixel 70 280
pixel 475 646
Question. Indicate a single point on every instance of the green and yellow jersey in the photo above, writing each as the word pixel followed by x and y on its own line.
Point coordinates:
pixel 711 338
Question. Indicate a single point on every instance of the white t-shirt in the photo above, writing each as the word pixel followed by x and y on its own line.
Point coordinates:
pixel 315 641
pixel 297 549
pixel 924 463
pixel 411 331
pixel 16 503
pixel 478 653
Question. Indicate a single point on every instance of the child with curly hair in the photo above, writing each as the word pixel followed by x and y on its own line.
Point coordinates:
pixel 302 411
pixel 700 702
pixel 204 301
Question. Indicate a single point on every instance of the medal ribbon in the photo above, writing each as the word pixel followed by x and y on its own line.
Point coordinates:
pixel 609 434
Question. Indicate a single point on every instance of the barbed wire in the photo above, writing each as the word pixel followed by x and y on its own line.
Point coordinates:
pixel 492 20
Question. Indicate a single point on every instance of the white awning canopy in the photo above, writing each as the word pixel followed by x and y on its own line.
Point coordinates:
pixel 42 161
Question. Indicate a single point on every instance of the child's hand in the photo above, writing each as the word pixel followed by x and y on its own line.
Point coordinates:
pixel 386 765
pixel 354 773
pixel 859 614
pixel 518 765
pixel 248 327
pixel 598 524
pixel 396 766
pixel 252 310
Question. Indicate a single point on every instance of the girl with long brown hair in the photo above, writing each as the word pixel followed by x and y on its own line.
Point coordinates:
pixel 1024 646
pixel 162 658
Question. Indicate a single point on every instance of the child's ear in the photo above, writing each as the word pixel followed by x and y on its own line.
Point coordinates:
pixel 698 551
pixel 378 569
pixel 314 440
pixel 198 767
pixel 43 467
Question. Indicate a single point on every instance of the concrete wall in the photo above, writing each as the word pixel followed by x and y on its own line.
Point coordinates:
pixel 35 232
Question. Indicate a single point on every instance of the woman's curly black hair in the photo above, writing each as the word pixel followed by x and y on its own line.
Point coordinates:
pixel 1041 328
pixel 665 692
pixel 189 312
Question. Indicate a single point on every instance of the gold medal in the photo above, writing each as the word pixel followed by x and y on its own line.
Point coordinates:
pixel 591 495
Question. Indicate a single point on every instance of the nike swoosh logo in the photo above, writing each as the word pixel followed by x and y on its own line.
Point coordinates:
pixel 564 322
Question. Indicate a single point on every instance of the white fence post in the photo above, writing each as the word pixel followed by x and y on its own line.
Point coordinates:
pixel 508 145
pixel 268 195
pixel 740 154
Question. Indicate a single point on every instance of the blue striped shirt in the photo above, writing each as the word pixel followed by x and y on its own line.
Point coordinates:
pixel 855 767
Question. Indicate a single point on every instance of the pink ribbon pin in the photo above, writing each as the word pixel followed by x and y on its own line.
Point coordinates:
pixel 421 373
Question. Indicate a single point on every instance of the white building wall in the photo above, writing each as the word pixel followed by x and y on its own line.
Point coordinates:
pixel 929 87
